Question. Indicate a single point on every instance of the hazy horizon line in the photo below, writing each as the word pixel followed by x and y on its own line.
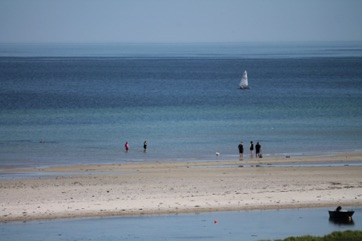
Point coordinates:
pixel 190 42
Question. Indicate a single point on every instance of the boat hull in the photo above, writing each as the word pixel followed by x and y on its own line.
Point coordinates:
pixel 341 215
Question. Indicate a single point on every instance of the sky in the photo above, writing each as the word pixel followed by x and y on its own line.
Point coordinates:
pixel 179 21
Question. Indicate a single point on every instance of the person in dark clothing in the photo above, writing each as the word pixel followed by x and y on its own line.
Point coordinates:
pixel 145 146
pixel 257 150
pixel 251 149
pixel 241 150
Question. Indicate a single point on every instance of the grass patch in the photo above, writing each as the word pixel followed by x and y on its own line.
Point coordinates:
pixel 335 236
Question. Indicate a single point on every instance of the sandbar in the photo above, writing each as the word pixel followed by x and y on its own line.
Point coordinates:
pixel 135 188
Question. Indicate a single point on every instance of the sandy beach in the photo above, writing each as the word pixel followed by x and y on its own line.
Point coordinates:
pixel 180 187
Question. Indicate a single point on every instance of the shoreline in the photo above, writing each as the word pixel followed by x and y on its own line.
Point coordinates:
pixel 157 188
pixel 273 157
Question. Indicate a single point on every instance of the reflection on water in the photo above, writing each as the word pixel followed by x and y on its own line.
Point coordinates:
pixel 287 164
pixel 244 225
pixel 342 221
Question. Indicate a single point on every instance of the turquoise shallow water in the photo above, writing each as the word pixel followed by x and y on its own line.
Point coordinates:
pixel 73 104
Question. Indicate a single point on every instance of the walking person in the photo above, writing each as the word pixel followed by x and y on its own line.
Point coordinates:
pixel 257 150
pixel 241 150
pixel 126 146
pixel 251 149
pixel 145 146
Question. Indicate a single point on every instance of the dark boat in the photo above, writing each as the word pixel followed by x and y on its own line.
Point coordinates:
pixel 340 214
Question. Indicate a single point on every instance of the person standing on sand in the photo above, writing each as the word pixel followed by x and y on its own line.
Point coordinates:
pixel 126 146
pixel 251 149
pixel 145 146
pixel 241 150
pixel 257 150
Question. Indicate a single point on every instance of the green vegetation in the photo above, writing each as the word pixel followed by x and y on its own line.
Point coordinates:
pixel 335 236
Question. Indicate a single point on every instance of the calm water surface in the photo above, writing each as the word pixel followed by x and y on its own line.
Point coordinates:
pixel 246 225
pixel 75 104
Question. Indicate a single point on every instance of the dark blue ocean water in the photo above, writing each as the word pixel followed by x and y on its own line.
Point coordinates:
pixel 73 104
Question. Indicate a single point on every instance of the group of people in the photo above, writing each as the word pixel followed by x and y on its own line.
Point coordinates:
pixel 240 147
pixel 126 146
pixel 251 148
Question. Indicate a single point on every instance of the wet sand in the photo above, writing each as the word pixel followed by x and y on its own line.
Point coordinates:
pixel 180 187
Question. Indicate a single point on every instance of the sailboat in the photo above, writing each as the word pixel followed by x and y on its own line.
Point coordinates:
pixel 244 81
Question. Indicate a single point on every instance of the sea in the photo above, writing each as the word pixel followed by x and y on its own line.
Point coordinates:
pixel 69 104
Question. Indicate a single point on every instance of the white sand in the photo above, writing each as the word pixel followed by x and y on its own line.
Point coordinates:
pixel 159 188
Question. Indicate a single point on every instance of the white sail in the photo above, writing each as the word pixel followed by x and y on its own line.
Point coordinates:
pixel 244 81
